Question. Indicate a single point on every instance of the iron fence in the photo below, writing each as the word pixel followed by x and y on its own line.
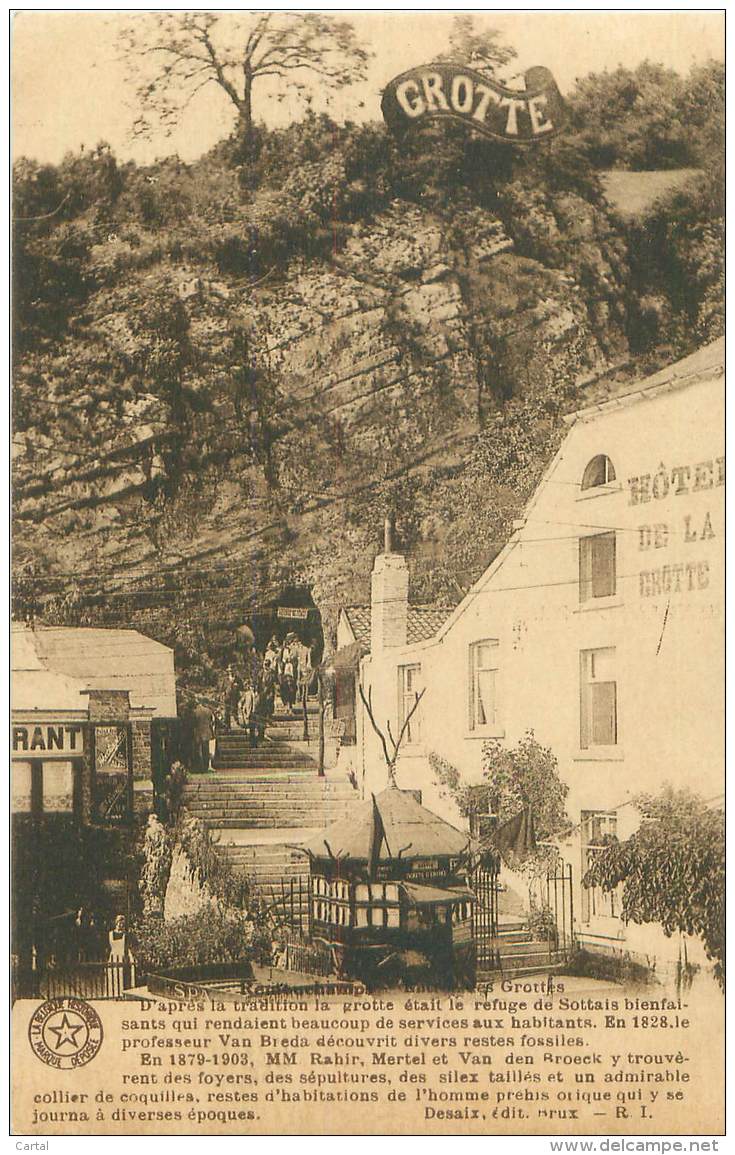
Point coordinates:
pixel 560 904
pixel 485 885
pixel 288 904
pixel 105 980
pixel 308 958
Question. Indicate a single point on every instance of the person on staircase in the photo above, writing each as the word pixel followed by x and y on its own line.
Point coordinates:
pixel 288 681
pixel 246 712
pixel 269 681
pixel 272 658
pixel 231 694
pixel 203 732
pixel 259 718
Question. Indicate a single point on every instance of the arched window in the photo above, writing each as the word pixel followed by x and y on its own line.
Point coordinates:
pixel 599 471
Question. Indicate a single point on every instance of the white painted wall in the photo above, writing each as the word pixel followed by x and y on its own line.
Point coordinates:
pixel 667 631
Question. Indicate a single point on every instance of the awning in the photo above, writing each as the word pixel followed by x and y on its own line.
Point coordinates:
pixel 420 895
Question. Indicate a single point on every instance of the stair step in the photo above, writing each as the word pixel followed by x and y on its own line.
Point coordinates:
pixel 294 798
pixel 516 958
pixel 273 798
pixel 261 758
pixel 484 974
pixel 261 778
pixel 520 972
pixel 264 785
pixel 260 809
pixel 269 797
pixel 526 945
pixel 247 819
pixel 255 824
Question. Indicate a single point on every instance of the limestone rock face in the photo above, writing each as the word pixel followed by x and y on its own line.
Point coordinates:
pixel 379 356
pixel 185 893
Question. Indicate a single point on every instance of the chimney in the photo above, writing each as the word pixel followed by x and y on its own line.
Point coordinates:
pixel 388 596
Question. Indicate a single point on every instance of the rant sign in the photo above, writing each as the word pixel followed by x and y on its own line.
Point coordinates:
pixel 453 91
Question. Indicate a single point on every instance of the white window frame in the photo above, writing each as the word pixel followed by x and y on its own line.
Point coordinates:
pixel 598 903
pixel 587 680
pixel 610 475
pixel 586 579
pixel 474 698
pixel 406 701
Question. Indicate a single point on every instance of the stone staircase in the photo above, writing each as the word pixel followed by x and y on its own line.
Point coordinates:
pixel 520 954
pixel 282 748
pixel 260 803
pixel 267 799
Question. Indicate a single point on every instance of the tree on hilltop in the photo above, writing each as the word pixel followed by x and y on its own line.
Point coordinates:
pixel 478 46
pixel 175 55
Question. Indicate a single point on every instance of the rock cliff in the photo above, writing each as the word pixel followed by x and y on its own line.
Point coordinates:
pixel 306 394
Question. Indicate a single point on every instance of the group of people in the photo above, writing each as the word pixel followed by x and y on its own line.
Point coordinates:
pixel 249 689
pixel 247 696
pixel 84 936
pixel 288 664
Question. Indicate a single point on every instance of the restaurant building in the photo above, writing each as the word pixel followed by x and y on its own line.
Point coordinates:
pixel 599 626
pixel 88 709
pixel 92 710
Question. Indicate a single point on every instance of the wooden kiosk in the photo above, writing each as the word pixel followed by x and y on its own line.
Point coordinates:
pixel 389 895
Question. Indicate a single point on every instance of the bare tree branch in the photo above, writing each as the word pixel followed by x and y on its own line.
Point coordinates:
pixel 170 51
pixel 367 703
pixel 408 718
pixel 390 762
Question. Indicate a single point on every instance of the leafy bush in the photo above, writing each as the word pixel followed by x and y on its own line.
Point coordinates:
pixel 212 935
pixel 617 968
pixel 672 870
pixel 524 776
pixel 541 924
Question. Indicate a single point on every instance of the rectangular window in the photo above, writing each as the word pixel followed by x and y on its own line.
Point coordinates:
pixel 596 566
pixel 597 827
pixel 409 686
pixel 483 675
pixel 598 698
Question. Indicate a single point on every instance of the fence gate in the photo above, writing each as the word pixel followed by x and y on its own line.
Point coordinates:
pixel 287 903
pixel 560 902
pixel 485 916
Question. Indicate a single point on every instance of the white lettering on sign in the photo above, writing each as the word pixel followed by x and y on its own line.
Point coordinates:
pixel 301 613
pixel 410 99
pixel 676 481
pixel 460 93
pixel 47 740
pixel 539 123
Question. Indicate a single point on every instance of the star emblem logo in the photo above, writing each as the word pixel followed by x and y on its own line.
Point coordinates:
pixel 66 1032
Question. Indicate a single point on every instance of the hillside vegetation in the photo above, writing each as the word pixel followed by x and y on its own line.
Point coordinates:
pixel 226 372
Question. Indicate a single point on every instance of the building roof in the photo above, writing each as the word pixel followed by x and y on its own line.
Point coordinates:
pixel 423 622
pixel 45 690
pixel 390 822
pixel 703 363
pixel 92 659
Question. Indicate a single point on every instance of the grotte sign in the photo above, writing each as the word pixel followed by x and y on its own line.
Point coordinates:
pixel 455 92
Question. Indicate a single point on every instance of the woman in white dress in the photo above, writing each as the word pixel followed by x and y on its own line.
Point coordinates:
pixel 121 971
